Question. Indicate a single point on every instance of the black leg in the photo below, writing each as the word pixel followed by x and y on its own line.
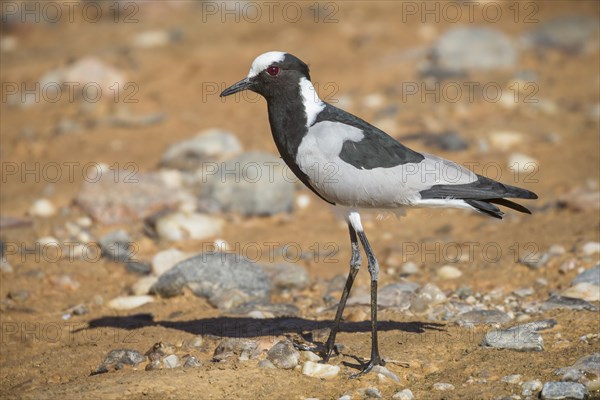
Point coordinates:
pixel 355 262
pixel 374 272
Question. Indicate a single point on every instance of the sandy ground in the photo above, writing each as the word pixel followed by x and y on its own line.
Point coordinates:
pixel 368 50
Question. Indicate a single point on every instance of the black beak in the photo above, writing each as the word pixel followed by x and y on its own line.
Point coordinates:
pixel 237 87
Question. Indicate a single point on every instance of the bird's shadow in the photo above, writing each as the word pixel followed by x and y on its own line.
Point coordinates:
pixel 245 327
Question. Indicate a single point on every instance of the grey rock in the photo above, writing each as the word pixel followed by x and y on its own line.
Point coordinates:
pixel 227 299
pixel 530 387
pixel 250 184
pixel 569 33
pixel 570 303
pixel 563 391
pixel 118 358
pixel 171 361
pixel 378 369
pixel 266 364
pixel 287 276
pixel 191 362
pixel 209 274
pixel 283 355
pixel 405 394
pixel 591 275
pixel 442 386
pixel 584 370
pixel 244 348
pixel 479 317
pixel 535 261
pixel 520 338
pixel 116 246
pixel 206 147
pixel 138 267
pixel 474 48
pixel 514 379
pixel 372 393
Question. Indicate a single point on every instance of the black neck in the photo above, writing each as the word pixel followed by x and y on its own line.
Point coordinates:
pixel 288 124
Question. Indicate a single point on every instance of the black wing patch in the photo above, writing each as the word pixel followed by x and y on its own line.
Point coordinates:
pixel 376 150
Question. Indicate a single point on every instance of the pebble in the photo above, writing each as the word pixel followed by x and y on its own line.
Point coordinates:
pixel 474 48
pixel 345 397
pixel 372 393
pixel 120 197
pixel 520 338
pixel 283 355
pixel 167 259
pixel 591 248
pixel 310 356
pixel 429 295
pixel 171 361
pixel 261 185
pixel 591 276
pixel 245 349
pixel 560 302
pixel 571 33
pixel 91 70
pixel 524 292
pixel 129 302
pixel 580 199
pixel 530 387
pixel 182 226
pixel 287 276
pixel 202 151
pixel 143 285
pixel 138 267
pixel 409 268
pixel 446 141
pixel 405 394
pixel 522 163
pixel 118 358
pixel 563 391
pixel 505 140
pixel 584 290
pixel 208 273
pixel 322 371
pixel 42 208
pixel 512 379
pixel 302 201
pixel 397 295
pixel 116 246
pixel 19 295
pixel 536 261
pixel 191 362
pixel 448 272
pixel 5 267
pixel 441 386
pixel 151 39
pixel 585 370
pixel 385 373
pixel 479 317
pixel 568 265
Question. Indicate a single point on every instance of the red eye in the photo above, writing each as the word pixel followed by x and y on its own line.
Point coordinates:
pixel 273 71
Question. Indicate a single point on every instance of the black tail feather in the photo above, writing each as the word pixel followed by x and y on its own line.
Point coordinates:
pixel 510 204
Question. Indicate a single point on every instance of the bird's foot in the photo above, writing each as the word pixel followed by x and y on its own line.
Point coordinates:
pixel 375 360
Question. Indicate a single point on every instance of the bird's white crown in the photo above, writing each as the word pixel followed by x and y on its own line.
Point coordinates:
pixel 261 62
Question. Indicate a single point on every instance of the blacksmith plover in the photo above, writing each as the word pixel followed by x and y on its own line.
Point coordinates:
pixel 352 165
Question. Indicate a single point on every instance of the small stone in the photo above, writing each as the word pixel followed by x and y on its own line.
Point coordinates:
pixel 410 268
pixel 372 393
pixel 536 261
pixel 116 246
pixel 584 290
pixel 118 358
pixel 357 315
pixel 191 362
pixel 448 272
pixel 591 248
pixel 287 276
pixel 202 151
pixel 525 292
pixel 564 391
pixel 151 39
pixel 441 386
pixel 5 266
pixel 283 355
pixel 378 369
pixel 129 302
pixel 228 299
pixel 266 364
pixel 405 394
pixel 302 201
pixel 18 295
pixel 591 276
pixel 519 338
pixel 310 356
pixel 171 361
pixel 322 371
pixel 42 208
pixel 182 226
pixel 512 379
pixel 531 387
pixel 505 140
pixel 585 370
pixel 429 295
pixel 570 33
pixel 568 265
pixel 143 285
pixel 345 397
pixel 560 302
pixel 522 163
pixel 153 365
pixel 138 267
pixel 243 348
pixel 479 317
pixel 167 259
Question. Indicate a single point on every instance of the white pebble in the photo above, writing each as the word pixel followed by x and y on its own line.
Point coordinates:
pixel 42 208
pixel 449 272
pixel 151 39
pixel 303 201
pixel 410 268
pixel 181 226
pixel 129 302
pixel 512 379
pixel 84 222
pixel 505 140
pixel 591 248
pixel 583 290
pixel 373 100
pixel 48 241
pixel 441 386
pixel 166 259
pixel 171 361
pixel 143 285
pixel 310 356
pixel 323 371
pixel 522 163
pixel 405 394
